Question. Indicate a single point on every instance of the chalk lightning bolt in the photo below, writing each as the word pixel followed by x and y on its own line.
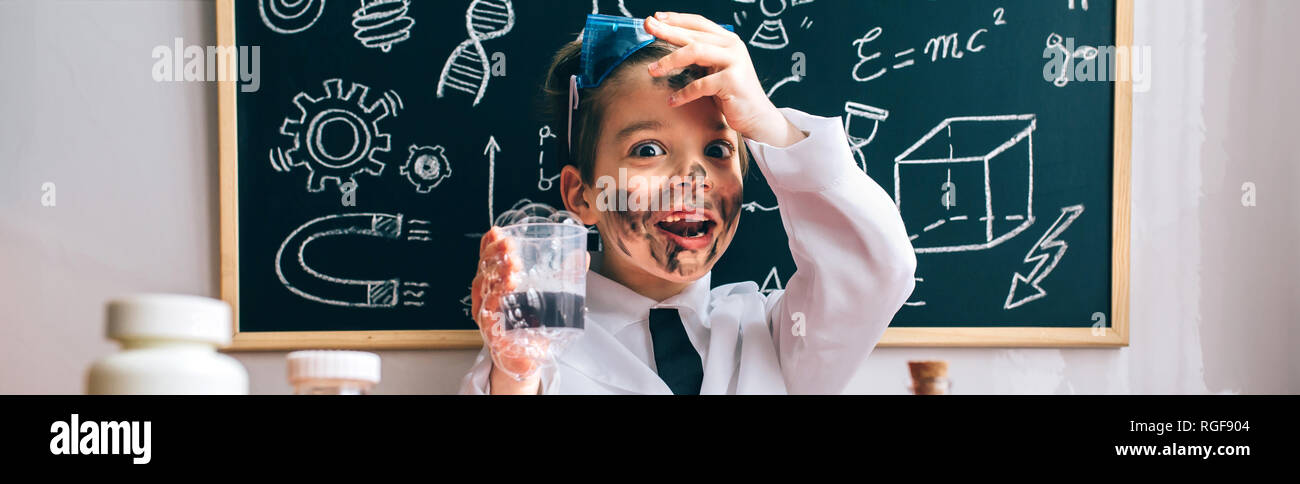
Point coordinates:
pixel 1044 255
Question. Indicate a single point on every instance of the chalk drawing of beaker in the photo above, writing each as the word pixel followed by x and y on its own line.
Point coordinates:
pixel 858 134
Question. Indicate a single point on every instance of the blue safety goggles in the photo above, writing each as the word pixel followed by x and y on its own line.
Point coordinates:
pixel 607 41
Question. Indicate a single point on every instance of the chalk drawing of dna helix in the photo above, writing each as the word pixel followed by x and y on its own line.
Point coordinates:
pixel 382 23
pixel 467 68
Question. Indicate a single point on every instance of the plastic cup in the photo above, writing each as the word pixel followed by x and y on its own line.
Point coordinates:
pixel 549 299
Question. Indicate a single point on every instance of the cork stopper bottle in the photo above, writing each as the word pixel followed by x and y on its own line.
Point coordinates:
pixel 929 377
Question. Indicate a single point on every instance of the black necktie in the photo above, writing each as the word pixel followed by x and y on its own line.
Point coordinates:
pixel 676 359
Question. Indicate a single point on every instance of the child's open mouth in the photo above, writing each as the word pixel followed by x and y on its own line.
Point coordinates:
pixel 690 230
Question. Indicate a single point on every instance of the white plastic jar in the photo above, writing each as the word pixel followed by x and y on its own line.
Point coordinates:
pixel 333 372
pixel 169 347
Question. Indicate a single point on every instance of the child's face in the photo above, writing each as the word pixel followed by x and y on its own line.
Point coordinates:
pixel 692 218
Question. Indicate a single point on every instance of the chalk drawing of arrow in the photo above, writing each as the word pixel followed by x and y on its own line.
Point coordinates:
pixel 491 150
pixel 1044 255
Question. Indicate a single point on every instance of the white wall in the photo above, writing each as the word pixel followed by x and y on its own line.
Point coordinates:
pixel 1215 285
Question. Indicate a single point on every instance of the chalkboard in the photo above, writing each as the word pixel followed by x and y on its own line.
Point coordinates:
pixel 384 135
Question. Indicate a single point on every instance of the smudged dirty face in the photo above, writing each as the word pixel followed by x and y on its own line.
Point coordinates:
pixel 674 201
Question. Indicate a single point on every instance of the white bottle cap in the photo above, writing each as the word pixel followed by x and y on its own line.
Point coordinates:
pixel 333 364
pixel 170 316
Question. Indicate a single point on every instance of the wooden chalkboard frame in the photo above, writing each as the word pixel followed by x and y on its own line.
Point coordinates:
pixel 289 340
pixel 1114 335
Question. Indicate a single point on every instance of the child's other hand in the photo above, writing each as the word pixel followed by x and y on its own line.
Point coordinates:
pixel 510 355
pixel 732 81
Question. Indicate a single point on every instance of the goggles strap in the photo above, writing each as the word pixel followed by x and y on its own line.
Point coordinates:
pixel 573 106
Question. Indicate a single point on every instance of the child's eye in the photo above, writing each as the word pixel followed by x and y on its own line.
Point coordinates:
pixel 718 149
pixel 648 150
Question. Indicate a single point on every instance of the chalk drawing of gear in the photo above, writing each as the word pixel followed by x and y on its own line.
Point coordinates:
pixel 300 278
pixel 426 167
pixel 348 121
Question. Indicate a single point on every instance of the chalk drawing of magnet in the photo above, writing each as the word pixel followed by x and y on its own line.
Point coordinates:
pixel 298 276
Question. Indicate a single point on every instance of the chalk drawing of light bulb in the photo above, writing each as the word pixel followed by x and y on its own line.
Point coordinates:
pixel 467 68
pixel 290 16
pixel 857 133
pixel 382 23
pixel 299 277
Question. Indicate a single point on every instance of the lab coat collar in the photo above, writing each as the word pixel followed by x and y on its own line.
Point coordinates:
pixel 601 357
pixel 616 306
pixel 611 307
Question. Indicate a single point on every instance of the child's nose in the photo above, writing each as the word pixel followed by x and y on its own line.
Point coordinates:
pixel 693 179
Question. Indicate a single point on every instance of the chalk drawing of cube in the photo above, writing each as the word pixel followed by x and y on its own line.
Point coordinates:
pixel 968 184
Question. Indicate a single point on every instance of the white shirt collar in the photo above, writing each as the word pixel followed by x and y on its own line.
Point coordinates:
pixel 616 306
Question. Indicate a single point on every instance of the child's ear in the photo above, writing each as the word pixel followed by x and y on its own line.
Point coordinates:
pixel 577 197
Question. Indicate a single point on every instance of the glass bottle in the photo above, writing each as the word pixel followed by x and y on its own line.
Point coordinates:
pixel 931 386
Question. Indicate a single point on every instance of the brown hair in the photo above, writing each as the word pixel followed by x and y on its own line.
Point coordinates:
pixel 591 103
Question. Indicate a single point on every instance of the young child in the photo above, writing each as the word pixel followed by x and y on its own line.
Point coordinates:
pixel 679 107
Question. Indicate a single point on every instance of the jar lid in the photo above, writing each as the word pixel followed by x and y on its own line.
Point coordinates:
pixel 169 316
pixel 333 364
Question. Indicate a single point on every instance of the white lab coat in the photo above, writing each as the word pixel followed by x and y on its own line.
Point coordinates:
pixel 855 270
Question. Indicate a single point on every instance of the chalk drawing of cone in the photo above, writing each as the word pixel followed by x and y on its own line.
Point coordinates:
pixel 467 68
